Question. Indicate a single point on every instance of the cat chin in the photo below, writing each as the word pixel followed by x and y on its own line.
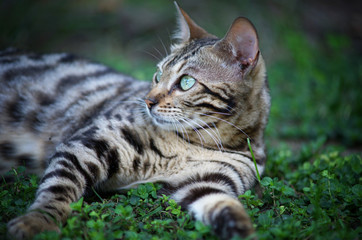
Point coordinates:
pixel 163 124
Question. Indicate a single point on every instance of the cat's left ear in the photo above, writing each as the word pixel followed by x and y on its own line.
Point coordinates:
pixel 187 28
pixel 241 41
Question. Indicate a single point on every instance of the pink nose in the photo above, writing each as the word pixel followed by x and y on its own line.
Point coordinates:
pixel 150 102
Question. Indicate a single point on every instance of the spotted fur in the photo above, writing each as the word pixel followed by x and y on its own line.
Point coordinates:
pixel 80 124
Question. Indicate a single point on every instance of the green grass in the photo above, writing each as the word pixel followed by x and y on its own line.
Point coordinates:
pixel 316 194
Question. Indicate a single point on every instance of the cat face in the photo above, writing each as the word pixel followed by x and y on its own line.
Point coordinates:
pixel 190 84
pixel 204 78
pixel 212 91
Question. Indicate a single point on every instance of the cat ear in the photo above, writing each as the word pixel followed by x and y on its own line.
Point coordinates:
pixel 187 28
pixel 242 42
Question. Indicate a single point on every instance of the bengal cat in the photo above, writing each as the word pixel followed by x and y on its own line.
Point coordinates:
pixel 80 125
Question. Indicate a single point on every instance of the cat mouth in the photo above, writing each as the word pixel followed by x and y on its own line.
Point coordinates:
pixel 163 123
pixel 160 121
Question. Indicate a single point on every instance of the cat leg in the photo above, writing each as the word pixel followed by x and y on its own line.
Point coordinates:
pixel 70 173
pixel 225 214
pixel 210 195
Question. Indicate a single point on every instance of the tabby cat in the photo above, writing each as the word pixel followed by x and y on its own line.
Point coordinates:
pixel 80 125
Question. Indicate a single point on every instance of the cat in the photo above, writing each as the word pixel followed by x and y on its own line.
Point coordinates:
pixel 80 125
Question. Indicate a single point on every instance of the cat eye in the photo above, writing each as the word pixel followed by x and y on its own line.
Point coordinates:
pixel 187 82
pixel 158 76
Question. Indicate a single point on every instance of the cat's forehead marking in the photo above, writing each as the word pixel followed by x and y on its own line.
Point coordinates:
pixel 190 50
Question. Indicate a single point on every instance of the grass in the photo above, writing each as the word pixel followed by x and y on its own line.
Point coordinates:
pixel 312 186
pixel 301 199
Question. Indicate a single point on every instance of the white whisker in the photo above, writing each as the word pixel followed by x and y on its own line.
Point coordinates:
pixel 153 55
pixel 215 134
pixel 211 135
pixel 184 130
pixel 163 45
pixel 159 53
pixel 202 139
pixel 221 113
pixel 231 124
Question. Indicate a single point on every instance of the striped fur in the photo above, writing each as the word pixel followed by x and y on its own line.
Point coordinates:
pixel 80 125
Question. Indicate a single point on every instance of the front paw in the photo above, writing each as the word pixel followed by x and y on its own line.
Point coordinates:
pixel 30 224
pixel 230 219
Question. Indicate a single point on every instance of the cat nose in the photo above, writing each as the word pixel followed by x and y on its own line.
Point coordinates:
pixel 150 102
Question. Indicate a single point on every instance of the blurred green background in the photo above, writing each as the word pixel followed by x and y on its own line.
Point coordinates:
pixel 312 50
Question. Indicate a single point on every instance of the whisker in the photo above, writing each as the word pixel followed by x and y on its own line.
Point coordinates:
pixel 202 139
pixel 152 55
pixel 184 130
pixel 216 134
pixel 217 131
pixel 221 113
pixel 159 53
pixel 231 124
pixel 176 130
pixel 212 136
pixel 164 47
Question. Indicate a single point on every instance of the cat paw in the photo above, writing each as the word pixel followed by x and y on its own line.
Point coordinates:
pixel 30 224
pixel 231 220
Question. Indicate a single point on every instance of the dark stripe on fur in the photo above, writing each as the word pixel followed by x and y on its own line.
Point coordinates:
pixel 8 60
pixel 93 169
pixel 207 126
pixel 7 150
pixel 26 160
pixel 35 56
pixel 44 99
pixel 136 163
pixel 210 92
pixel 228 165
pixel 61 173
pixel 11 74
pixel 197 193
pixel 61 199
pixel 214 108
pixel 65 164
pixel 102 149
pixel 232 167
pixel 61 190
pixel 54 209
pixel 73 80
pixel 113 160
pixel 133 139
pixel 92 110
pixel 208 177
pixel 219 177
pixel 89 181
pixel 46 219
pixel 90 133
pixel 34 120
pixel 68 58
pixel 158 151
pixel 191 49
pixel 15 109
pixel 118 117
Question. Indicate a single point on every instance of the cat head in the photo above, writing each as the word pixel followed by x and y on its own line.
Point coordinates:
pixel 212 90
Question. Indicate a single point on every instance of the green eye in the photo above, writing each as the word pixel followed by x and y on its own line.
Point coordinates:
pixel 187 82
pixel 158 75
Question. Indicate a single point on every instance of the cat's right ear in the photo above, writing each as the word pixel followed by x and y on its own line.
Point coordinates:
pixel 187 28
pixel 241 41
